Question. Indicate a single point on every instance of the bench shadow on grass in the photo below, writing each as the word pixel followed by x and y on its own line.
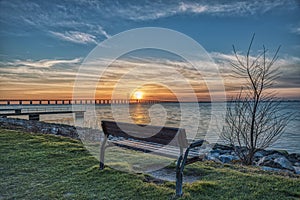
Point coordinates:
pixel 157 168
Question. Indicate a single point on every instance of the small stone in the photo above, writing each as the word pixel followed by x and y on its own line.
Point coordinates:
pixel 213 159
pixel 297 164
pixel 227 158
pixel 265 168
pixel 54 130
pixel 225 151
pixel 259 154
pixel 204 150
pixel 213 155
pixel 222 147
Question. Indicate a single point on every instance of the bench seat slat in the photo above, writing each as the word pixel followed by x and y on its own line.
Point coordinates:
pixel 148 149
pixel 151 147
pixel 161 135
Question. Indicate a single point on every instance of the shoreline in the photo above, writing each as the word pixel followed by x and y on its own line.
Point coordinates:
pixel 268 160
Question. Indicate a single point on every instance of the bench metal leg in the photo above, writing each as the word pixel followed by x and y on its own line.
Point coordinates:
pixel 179 192
pixel 102 152
pixel 179 172
pixel 179 175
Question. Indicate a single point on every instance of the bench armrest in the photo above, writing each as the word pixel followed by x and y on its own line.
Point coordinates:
pixel 196 144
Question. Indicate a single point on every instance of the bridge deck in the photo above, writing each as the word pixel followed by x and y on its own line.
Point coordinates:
pixel 40 113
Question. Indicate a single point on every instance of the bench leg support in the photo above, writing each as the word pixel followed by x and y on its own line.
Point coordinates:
pixel 179 175
pixel 102 152
pixel 179 184
pixel 181 162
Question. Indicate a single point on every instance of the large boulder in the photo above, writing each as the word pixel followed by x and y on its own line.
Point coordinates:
pixel 276 161
pixel 297 170
pixel 284 163
pixel 294 158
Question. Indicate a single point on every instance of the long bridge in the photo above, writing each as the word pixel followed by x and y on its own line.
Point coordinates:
pixel 4 102
pixel 34 108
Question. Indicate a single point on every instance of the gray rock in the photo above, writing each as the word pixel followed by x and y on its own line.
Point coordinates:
pixel 227 158
pixel 271 163
pixel 280 152
pixel 268 158
pixel 265 168
pixel 297 164
pixel 213 159
pixel 222 147
pixel 213 155
pixel 294 157
pixel 259 154
pixel 215 152
pixel 284 163
pixel 297 170
pixel 225 151
pixel 205 150
pixel 54 130
pixel 270 169
pixel 276 161
pixel 39 127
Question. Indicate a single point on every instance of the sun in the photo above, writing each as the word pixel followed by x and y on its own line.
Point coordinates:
pixel 138 95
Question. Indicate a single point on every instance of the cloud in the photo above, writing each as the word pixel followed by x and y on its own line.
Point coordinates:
pixel 130 72
pixel 46 63
pixel 231 8
pixel 103 32
pixel 288 66
pixel 149 10
pixel 70 14
pixel 76 37
pixel 296 30
pixel 66 20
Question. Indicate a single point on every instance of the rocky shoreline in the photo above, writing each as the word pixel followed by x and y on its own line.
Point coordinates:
pixel 268 160
pixel 39 127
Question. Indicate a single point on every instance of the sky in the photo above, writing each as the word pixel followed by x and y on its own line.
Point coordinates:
pixel 43 44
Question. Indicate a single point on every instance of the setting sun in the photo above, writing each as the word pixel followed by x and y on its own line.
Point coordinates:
pixel 138 95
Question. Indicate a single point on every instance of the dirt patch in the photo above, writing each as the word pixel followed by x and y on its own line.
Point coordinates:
pixel 166 174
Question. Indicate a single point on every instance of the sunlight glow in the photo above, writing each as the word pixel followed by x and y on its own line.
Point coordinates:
pixel 138 95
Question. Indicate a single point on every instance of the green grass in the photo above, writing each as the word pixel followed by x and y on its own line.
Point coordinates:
pixel 35 166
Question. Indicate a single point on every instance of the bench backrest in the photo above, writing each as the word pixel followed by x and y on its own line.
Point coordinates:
pixel 156 134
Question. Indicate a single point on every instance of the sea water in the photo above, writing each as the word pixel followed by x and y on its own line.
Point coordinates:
pixel 200 120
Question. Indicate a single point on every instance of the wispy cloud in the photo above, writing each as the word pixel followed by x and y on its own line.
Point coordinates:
pixel 66 20
pixel 97 16
pixel 288 68
pixel 130 73
pixel 76 37
pixel 103 32
pixel 296 30
pixel 149 10
pixel 45 63
pixel 232 8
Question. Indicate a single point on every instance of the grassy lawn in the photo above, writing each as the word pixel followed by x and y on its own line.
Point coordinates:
pixel 37 166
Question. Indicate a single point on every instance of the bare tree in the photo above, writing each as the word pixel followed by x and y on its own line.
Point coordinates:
pixel 253 119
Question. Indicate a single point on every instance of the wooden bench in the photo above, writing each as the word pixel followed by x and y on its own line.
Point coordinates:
pixel 148 139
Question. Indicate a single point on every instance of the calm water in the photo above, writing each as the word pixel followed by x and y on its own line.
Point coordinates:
pixel 203 120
